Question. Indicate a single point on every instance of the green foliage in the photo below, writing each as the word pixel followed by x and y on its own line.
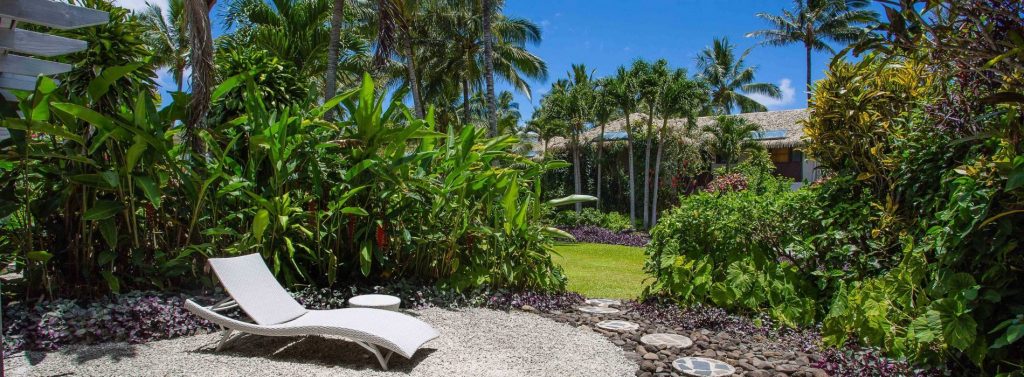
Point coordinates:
pixel 117 43
pixel 274 80
pixel 729 249
pixel 591 216
pixel 96 202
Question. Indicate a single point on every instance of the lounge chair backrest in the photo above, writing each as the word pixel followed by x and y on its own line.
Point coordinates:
pixel 248 280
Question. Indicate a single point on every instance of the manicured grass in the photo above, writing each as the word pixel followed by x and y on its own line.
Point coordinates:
pixel 603 271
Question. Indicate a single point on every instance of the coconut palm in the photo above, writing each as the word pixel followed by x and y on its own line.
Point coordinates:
pixel 681 97
pixel 331 77
pixel 623 91
pixel 651 80
pixel 168 38
pixel 813 23
pixel 457 51
pixel 603 109
pixel 486 7
pixel 731 137
pixel 731 79
pixel 197 16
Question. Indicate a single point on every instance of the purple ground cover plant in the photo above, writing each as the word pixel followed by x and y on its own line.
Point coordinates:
pixel 595 234
pixel 135 317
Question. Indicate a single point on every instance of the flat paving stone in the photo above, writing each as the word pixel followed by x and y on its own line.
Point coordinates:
pixel 702 366
pixel 603 302
pixel 616 325
pixel 598 310
pixel 667 340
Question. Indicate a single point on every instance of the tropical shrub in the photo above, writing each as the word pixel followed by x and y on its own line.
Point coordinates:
pixel 105 202
pixel 613 221
pixel 729 249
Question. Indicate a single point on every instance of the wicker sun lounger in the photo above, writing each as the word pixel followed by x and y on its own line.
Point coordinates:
pixel 275 313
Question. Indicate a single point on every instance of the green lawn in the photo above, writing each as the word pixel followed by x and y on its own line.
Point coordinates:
pixel 603 271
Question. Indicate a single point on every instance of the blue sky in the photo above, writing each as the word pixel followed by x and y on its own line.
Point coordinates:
pixel 606 34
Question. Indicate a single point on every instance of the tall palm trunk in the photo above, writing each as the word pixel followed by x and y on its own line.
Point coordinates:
pixel 465 100
pixel 600 153
pixel 414 82
pixel 632 174
pixel 657 170
pixel 331 81
pixel 577 177
pixel 808 48
pixel 492 111
pixel 197 12
pixel 647 167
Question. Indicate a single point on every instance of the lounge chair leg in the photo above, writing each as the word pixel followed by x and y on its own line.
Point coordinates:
pixel 381 358
pixel 223 339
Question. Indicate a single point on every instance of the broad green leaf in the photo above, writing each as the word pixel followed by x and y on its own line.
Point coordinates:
pixel 39 256
pixel 354 211
pixel 259 224
pixel 108 230
pixel 558 233
pixel 150 190
pixel 365 258
pixel 46 128
pixel 99 86
pixel 103 209
pixel 112 281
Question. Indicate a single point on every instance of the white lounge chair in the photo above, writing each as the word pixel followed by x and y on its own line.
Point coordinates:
pixel 253 288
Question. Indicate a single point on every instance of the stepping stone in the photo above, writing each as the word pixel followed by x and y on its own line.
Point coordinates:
pixel 598 310
pixel 603 302
pixel 702 366
pixel 617 325
pixel 667 340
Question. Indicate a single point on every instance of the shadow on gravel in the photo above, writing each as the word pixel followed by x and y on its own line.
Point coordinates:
pixel 112 351
pixel 320 350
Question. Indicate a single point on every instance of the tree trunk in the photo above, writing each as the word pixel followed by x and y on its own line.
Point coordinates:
pixel 600 153
pixel 179 77
pixel 197 12
pixel 808 48
pixel 647 168
pixel 492 111
pixel 465 100
pixel 632 174
pixel 657 171
pixel 577 186
pixel 414 83
pixel 331 79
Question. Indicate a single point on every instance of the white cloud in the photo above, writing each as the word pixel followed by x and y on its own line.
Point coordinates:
pixel 139 5
pixel 788 95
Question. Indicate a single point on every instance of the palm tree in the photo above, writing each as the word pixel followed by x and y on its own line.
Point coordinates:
pixel 813 23
pixel 603 109
pixel 197 16
pixel 331 78
pixel 457 48
pixel 731 137
pixel 728 74
pixel 492 113
pixel 623 91
pixel 168 38
pixel 569 103
pixel 651 82
pixel 681 97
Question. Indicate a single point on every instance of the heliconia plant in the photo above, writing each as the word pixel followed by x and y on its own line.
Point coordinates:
pixel 96 203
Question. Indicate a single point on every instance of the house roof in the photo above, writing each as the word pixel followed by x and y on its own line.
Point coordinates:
pixel 779 129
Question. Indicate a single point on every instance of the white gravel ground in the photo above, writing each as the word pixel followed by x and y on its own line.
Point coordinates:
pixel 473 342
